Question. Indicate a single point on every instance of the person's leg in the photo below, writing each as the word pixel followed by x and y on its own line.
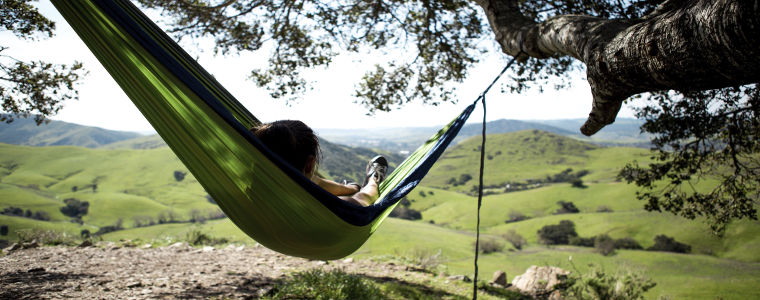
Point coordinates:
pixel 366 196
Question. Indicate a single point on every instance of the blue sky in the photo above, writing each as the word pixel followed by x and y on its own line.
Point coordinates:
pixel 328 105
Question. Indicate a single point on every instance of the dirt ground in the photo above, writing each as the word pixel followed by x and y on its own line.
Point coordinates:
pixel 110 271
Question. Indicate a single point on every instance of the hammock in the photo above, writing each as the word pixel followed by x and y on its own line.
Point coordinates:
pixel 208 130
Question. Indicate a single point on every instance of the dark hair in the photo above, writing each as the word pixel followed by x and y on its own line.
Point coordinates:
pixel 291 139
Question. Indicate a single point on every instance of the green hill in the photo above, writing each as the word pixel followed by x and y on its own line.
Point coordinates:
pixel 133 185
pixel 24 131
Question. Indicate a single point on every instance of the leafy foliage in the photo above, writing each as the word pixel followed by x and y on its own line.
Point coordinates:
pixel 36 87
pixel 319 284
pixel 75 208
pixel 598 284
pixel 665 243
pixel 440 37
pixel 702 136
pixel 559 234
pixel 566 207
pixel 514 238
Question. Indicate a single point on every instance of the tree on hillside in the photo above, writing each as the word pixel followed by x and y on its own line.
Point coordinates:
pixel 698 60
pixel 32 87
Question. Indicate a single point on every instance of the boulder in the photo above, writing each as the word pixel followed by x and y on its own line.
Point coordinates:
pixel 540 281
pixel 499 278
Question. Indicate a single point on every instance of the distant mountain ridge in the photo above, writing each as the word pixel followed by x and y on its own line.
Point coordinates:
pixel 25 131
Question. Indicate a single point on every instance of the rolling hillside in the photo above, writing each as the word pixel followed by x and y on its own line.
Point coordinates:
pixel 56 133
pixel 132 185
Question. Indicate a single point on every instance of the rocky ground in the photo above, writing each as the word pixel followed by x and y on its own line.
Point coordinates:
pixel 119 271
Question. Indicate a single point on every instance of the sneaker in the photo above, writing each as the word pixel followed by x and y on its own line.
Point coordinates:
pixel 377 167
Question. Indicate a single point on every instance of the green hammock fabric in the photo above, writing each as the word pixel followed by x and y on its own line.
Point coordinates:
pixel 269 201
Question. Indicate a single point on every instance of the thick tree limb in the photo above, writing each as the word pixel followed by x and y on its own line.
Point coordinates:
pixel 684 45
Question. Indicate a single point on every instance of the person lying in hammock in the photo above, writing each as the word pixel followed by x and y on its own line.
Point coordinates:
pixel 299 146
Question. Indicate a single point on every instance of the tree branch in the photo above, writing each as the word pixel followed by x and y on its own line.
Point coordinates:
pixel 683 45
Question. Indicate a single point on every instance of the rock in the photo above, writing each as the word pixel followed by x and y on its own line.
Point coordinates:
pixel 13 247
pixel 86 243
pixel 36 270
pixel 146 246
pixel 30 245
pixel 500 278
pixel 348 260
pixel 134 284
pixel 208 249
pixel 462 278
pixel 540 281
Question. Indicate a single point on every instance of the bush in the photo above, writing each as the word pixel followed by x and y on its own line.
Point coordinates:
pixel 604 209
pixel 4 230
pixel 489 246
pixel 197 238
pixel 516 216
pixel 604 244
pixel 75 208
pixel 627 243
pixel 424 258
pixel 577 183
pixel 318 284
pixel 514 238
pixel 111 228
pixel 582 241
pixel 13 211
pixel 85 234
pixel 142 221
pixel 559 234
pixel 45 237
pixel 179 175
pixel 566 208
pixel 598 284
pixel 210 199
pixel 403 212
pixel 669 244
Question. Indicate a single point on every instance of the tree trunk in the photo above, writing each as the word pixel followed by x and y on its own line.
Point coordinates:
pixel 683 45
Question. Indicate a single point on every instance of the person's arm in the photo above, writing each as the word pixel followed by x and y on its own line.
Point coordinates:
pixel 335 188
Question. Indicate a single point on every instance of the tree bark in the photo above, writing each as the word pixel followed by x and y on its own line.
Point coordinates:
pixel 683 45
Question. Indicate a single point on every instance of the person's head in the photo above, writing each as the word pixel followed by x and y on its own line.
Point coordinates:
pixel 293 141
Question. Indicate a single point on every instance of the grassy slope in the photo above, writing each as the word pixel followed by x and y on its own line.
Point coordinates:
pixel 144 179
pixel 677 275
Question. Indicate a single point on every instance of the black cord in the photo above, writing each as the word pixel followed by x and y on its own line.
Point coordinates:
pixel 482 98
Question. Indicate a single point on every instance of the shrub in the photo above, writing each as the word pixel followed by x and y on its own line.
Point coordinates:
pixel 13 211
pixel 627 243
pixel 516 216
pixel 85 234
pixel 489 246
pixel 598 284
pixel 4 230
pixel 566 208
pixel 604 244
pixel 197 217
pixel 577 183
pixel 582 241
pixel 168 216
pixel 110 228
pixel 318 284
pixel 559 234
pixel 514 238
pixel 142 221
pixel 669 244
pixel 604 209
pixel 424 258
pixel 75 208
pixel 197 238
pixel 179 175
pixel 210 199
pixel 45 237
pixel 216 214
pixel 403 212
pixel 422 194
